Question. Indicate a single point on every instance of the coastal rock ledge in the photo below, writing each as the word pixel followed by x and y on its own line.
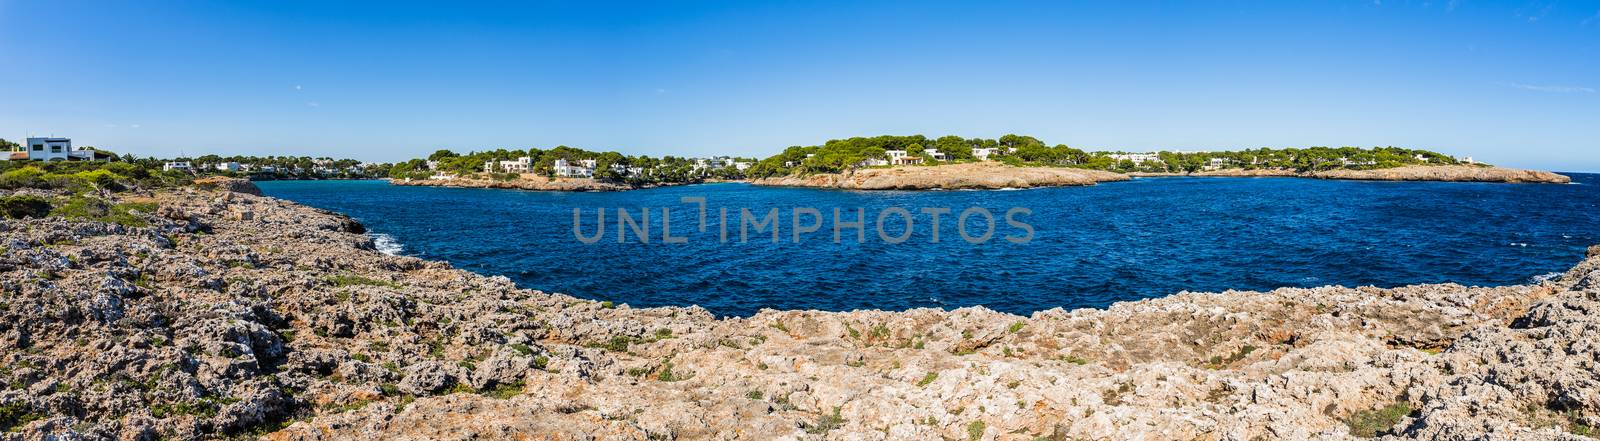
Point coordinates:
pixel 221 314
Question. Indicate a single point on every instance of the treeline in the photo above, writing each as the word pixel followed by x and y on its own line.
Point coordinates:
pixel 839 155
pixel 281 167
pixel 609 166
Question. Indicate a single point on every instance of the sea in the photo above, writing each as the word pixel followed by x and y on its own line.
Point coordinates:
pixel 1017 251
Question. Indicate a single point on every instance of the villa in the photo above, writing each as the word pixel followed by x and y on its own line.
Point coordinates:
pixel 1135 158
pixel 54 149
pixel 584 168
pixel 872 162
pixel 983 153
pixel 900 157
pixel 228 166
pixel 521 165
pixel 1217 163
pixel 937 155
pixel 176 165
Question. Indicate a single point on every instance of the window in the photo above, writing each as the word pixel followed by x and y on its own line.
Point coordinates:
pixel 38 147
pixel 55 148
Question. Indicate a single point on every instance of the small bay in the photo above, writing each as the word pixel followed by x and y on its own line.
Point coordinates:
pixel 1091 246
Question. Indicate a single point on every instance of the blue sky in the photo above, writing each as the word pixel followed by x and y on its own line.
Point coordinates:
pixel 1514 83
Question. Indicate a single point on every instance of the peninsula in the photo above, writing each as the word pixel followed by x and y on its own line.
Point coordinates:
pixel 920 163
pixel 132 309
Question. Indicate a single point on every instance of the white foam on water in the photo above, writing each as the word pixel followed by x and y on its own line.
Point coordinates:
pixel 387 245
pixel 1544 277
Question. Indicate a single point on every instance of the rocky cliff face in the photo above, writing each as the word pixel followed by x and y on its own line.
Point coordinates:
pixel 979 175
pixel 237 315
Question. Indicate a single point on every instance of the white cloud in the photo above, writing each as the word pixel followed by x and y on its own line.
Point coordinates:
pixel 297 87
pixel 1553 89
pixel 313 104
pixel 135 126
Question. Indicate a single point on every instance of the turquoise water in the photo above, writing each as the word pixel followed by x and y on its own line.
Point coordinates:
pixel 1091 245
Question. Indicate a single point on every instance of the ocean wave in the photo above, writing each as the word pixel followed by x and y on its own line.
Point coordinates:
pixel 387 245
pixel 1544 277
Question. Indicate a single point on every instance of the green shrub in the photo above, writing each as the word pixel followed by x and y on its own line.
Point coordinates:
pixel 1370 423
pixel 15 415
pixel 18 207
pixel 96 209
pixel 28 176
pixel 975 430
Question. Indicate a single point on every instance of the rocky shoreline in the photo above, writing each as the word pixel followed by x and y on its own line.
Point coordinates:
pixel 1436 173
pixel 225 314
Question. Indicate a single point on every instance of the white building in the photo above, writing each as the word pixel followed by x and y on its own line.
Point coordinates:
pixel 228 166
pixel 176 165
pixel 1216 163
pixel 582 169
pixel 520 165
pixel 937 155
pixel 872 162
pixel 900 157
pixel 742 165
pixel 983 154
pixel 54 149
pixel 1135 158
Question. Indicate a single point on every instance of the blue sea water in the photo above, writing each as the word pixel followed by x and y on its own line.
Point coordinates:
pixel 1091 246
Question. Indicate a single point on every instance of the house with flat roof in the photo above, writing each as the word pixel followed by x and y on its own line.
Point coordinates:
pixel 55 149
pixel 983 153
pixel 569 169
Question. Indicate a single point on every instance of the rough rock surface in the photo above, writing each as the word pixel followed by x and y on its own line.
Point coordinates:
pixel 978 175
pixel 525 182
pixel 286 324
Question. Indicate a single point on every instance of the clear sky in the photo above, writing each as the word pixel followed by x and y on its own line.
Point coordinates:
pixel 1514 83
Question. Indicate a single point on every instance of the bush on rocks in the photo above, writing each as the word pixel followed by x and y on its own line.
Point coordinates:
pixel 18 207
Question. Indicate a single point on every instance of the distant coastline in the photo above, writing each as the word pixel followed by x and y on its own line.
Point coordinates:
pixel 527 182
pixel 1435 173
pixel 995 175
pixel 919 162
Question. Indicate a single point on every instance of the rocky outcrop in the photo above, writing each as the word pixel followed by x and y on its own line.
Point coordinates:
pixel 236 185
pixel 1448 173
pixel 525 182
pixel 979 175
pixel 285 324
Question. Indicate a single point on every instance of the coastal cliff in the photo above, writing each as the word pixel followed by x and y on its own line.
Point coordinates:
pixel 528 182
pixel 978 175
pixel 224 314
